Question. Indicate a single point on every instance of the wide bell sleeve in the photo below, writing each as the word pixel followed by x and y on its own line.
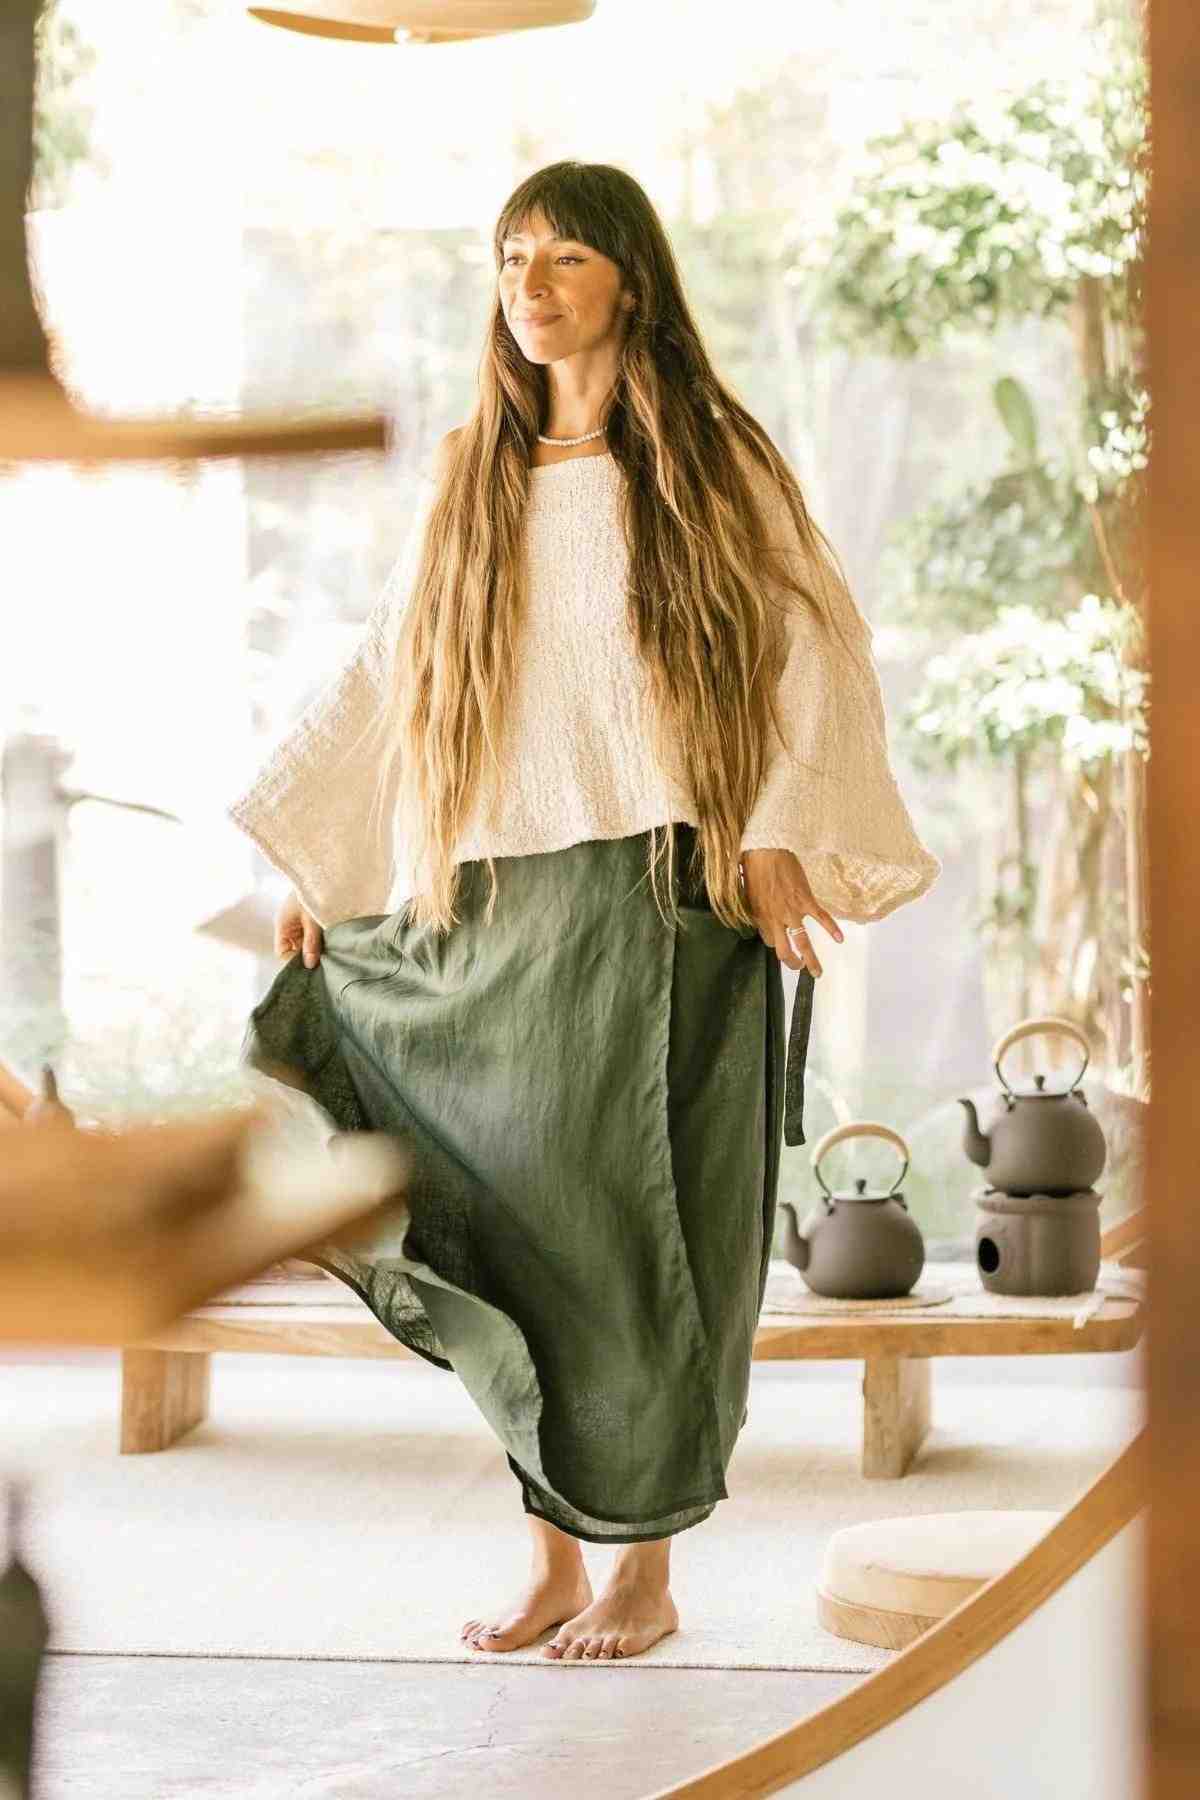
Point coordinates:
pixel 307 807
pixel 831 796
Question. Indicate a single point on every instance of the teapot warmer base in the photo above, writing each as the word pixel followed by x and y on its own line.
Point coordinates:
pixel 1037 1244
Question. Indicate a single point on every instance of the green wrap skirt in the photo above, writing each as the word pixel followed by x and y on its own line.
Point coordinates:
pixel 593 1101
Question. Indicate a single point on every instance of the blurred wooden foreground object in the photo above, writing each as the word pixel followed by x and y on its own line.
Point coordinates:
pixel 39 421
pixel 108 1235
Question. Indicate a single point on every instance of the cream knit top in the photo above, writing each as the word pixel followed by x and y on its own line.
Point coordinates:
pixel 576 758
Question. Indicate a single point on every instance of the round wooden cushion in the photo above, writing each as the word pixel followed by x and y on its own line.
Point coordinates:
pixel 889 1580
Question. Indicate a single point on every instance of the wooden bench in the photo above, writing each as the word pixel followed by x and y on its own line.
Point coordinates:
pixel 165 1378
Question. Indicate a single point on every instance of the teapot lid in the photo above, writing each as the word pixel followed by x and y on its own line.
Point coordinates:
pixel 858 1128
pixel 1037 1089
pixel 861 1193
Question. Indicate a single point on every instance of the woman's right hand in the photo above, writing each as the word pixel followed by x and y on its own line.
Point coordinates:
pixel 297 930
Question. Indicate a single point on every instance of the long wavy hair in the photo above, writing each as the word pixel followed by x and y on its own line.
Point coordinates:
pixel 705 584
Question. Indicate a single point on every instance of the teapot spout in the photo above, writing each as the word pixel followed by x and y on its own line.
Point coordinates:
pixel 976 1143
pixel 795 1245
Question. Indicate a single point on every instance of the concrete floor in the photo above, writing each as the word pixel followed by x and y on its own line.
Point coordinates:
pixel 165 1728
pixel 183 1728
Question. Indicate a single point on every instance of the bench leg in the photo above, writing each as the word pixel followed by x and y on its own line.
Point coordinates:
pixel 163 1394
pixel 896 1413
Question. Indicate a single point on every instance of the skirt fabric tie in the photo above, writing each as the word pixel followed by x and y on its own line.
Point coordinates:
pixel 593 1101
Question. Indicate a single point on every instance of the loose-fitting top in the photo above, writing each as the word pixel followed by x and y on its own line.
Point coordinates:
pixel 576 758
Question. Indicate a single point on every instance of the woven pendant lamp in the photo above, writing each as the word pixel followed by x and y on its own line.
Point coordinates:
pixel 38 421
pixel 421 21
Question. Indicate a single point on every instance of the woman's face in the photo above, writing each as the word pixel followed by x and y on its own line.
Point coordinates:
pixel 559 295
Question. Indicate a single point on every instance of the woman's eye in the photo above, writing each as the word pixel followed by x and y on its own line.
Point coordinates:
pixel 566 256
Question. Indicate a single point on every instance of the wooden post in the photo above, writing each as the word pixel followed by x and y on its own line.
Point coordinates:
pixel 163 1394
pixel 896 1413
pixel 1172 1587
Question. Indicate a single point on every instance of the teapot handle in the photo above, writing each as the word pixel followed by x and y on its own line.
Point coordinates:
pixel 858 1128
pixel 1027 1028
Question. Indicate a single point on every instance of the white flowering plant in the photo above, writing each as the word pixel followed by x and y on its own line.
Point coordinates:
pixel 1033 683
pixel 1023 594
pixel 996 213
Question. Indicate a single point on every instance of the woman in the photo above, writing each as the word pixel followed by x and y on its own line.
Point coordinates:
pixel 557 975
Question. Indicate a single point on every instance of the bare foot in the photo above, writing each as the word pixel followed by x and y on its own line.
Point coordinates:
pixel 548 1600
pixel 628 1617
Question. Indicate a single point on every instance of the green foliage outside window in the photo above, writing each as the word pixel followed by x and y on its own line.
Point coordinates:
pixel 1023 595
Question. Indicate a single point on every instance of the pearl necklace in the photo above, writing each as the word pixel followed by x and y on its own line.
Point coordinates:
pixel 579 440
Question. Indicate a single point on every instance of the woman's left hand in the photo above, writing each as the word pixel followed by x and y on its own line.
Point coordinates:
pixel 778 895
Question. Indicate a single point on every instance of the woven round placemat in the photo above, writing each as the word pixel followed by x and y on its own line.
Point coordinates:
pixel 782 1297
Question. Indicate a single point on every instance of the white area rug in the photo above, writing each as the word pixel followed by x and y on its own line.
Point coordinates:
pixel 363 1510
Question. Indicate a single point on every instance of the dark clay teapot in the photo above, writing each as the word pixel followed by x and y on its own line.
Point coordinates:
pixel 856 1245
pixel 1042 1142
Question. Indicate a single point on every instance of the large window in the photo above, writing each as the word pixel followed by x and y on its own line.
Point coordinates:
pixel 911 259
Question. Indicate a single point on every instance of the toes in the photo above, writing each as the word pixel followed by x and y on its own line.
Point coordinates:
pixel 574 1650
pixel 591 1648
pixel 623 1647
pixel 609 1644
pixel 553 1649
